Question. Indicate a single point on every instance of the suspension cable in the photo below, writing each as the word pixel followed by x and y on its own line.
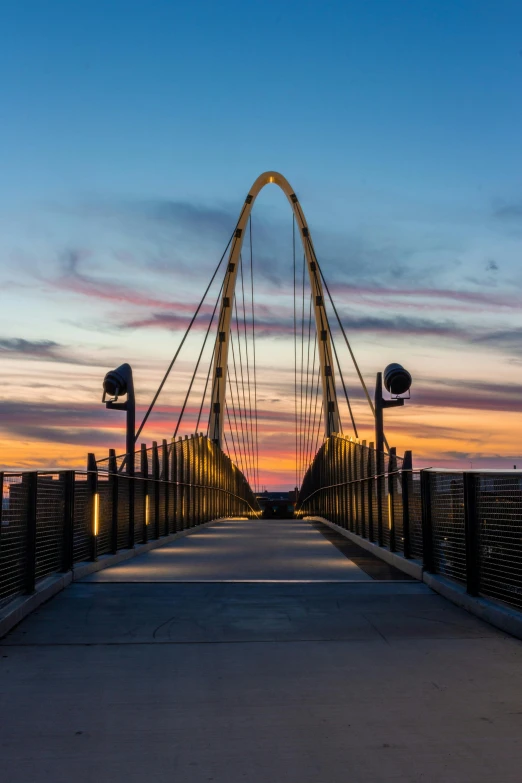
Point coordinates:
pixel 231 433
pixel 307 434
pixel 310 430
pixel 344 386
pixel 242 461
pixel 189 327
pixel 243 428
pixel 315 407
pixel 295 355
pixel 254 352
pixel 197 363
pixel 204 395
pixel 245 410
pixel 251 421
pixel 302 368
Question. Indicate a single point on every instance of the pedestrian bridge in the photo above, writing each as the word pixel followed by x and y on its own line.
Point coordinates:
pixel 372 637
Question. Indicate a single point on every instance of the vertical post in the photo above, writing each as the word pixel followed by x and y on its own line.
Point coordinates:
pixel 1 504
pixel 68 520
pixel 93 503
pixel 379 449
pixel 379 417
pixel 156 488
pixel 193 446
pixel 174 484
pixel 407 493
pixel 188 480
pixel 166 487
pixel 427 531
pixel 181 485
pixel 370 483
pixel 144 470
pixel 31 481
pixel 350 487
pixel 130 457
pixel 392 464
pixel 379 483
pixel 471 523
pixel 113 489
pixel 345 489
pixel 362 487
pixel 198 472
pixel 356 486
pixel 131 489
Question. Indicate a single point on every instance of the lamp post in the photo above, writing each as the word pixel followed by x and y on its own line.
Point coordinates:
pixel 118 383
pixel 397 381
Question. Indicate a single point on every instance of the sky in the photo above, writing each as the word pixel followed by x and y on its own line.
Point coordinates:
pixel 130 133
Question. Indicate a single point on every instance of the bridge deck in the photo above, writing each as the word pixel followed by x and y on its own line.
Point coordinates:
pixel 248 550
pixel 360 680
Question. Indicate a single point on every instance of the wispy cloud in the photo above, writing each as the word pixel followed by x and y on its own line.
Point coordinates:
pixel 39 349
pixel 42 350
pixel 509 210
pixel 74 280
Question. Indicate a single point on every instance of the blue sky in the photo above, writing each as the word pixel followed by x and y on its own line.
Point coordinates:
pixel 131 131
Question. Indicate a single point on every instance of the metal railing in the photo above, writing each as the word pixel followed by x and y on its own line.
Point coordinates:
pixel 464 525
pixel 50 521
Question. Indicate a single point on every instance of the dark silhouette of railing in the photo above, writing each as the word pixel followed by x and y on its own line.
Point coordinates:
pixel 464 525
pixel 50 521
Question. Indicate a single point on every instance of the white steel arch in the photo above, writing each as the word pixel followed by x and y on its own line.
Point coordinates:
pixel 219 371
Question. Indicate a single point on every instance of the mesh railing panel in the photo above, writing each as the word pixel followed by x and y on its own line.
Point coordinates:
pixel 162 519
pixel 447 519
pixel 104 539
pixel 82 522
pixel 415 506
pixel 499 511
pixel 40 534
pixel 139 512
pixel 397 511
pixel 49 524
pixel 123 512
pixel 13 537
pixel 386 499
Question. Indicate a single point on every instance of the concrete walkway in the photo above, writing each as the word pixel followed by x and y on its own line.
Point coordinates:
pixel 310 682
pixel 241 550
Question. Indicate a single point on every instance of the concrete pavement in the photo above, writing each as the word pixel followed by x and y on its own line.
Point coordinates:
pixel 241 550
pixel 358 680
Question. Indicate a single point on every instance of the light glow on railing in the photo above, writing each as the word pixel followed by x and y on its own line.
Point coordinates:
pixel 96 512
pixel 147 509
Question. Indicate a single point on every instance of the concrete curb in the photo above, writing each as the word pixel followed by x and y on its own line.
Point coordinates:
pixel 17 609
pixel 501 617
pixel 411 567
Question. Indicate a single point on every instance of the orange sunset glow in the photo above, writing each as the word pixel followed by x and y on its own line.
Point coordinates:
pixel 114 301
